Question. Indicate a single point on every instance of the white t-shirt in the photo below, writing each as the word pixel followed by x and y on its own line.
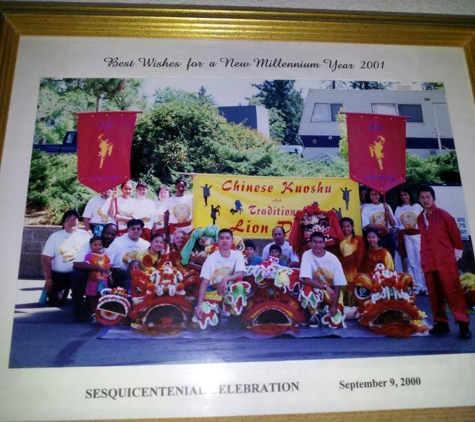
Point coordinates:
pixel 63 247
pixel 125 207
pixel 160 210
pixel 406 216
pixel 216 266
pixel 123 250
pixel 327 265
pixel 95 212
pixel 375 215
pixel 181 210
pixel 288 255
pixel 145 210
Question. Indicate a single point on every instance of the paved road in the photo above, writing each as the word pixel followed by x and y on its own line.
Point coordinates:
pixel 48 337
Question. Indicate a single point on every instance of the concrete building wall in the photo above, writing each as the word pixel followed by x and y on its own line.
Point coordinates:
pixel 360 101
pixel 34 239
pixel 263 120
pixel 253 117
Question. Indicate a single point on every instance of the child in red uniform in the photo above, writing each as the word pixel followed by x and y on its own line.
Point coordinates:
pixel 376 254
pixel 96 279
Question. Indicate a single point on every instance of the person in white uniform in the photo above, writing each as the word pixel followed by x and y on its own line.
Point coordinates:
pixel 58 255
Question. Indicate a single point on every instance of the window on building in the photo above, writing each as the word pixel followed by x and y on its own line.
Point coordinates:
pixel 324 112
pixel 70 135
pixel 335 109
pixel 384 108
pixel 414 111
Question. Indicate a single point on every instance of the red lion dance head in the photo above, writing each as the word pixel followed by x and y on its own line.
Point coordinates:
pixel 313 219
pixel 386 303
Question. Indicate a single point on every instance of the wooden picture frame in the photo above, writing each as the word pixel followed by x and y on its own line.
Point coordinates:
pixel 19 21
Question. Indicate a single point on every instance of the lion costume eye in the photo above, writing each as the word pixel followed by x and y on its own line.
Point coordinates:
pixel 362 293
pixel 239 244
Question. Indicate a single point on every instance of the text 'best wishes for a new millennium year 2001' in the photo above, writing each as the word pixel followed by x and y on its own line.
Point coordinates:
pixel 230 63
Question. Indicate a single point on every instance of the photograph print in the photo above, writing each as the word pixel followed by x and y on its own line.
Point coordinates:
pixel 236 220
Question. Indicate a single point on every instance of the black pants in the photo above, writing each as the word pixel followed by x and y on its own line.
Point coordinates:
pixel 58 294
pixel 78 289
pixel 118 277
pixel 81 311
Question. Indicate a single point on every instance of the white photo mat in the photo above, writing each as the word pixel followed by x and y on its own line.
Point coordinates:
pixel 65 393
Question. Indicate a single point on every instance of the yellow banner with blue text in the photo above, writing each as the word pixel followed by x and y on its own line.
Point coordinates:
pixel 251 206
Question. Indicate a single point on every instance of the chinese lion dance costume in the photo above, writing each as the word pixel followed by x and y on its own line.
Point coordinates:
pixel 232 303
pixel 468 285
pixel 199 246
pixel 318 302
pixel 113 306
pixel 272 306
pixel 307 221
pixel 168 280
pixel 202 243
pixel 385 301
pixel 157 301
pixel 312 219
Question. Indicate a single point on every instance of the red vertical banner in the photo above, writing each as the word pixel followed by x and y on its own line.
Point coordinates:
pixel 377 150
pixel 104 148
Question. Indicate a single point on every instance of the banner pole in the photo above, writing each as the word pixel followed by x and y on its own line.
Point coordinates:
pixel 116 208
pixel 385 212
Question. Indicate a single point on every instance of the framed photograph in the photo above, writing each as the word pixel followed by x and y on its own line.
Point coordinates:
pixel 421 67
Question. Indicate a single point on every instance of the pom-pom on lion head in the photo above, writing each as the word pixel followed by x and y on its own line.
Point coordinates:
pixel 312 219
pixel 168 280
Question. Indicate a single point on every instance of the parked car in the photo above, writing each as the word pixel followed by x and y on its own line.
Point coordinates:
pixel 69 145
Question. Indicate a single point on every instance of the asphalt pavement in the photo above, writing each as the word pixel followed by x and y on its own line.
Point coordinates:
pixel 45 337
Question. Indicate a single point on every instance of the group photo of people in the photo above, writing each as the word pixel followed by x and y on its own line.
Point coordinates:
pixel 131 260
pixel 128 238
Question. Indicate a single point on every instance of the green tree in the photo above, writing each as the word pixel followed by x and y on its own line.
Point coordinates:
pixel 204 97
pixel 182 135
pixel 284 101
pixel 277 124
pixel 56 108
pixel 60 99
pixel 433 86
pixel 447 167
pixel 103 89
pixel 343 145
pixel 173 136
pixel 172 95
pixel 53 185
pixel 127 97
pixel 367 85
pixel 420 171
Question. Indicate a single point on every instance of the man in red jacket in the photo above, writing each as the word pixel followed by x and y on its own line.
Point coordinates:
pixel 441 248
